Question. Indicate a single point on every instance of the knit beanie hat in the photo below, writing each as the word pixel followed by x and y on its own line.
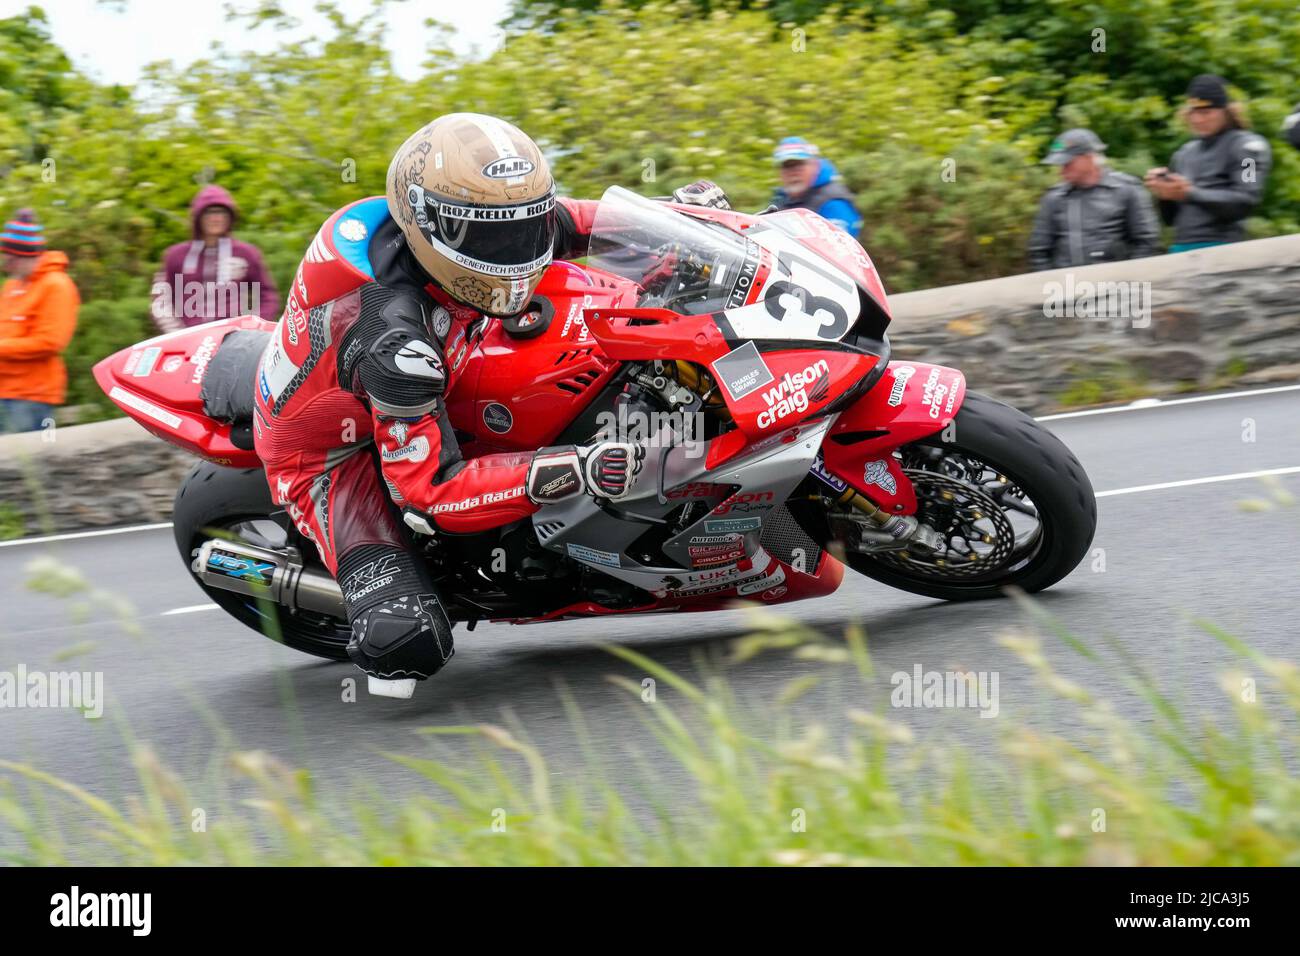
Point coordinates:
pixel 23 235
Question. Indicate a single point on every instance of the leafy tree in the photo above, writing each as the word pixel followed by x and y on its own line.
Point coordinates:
pixel 936 117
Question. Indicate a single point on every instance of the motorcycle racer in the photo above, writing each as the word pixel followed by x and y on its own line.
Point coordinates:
pixel 358 367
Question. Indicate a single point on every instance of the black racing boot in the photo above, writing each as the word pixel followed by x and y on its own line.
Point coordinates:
pixel 400 632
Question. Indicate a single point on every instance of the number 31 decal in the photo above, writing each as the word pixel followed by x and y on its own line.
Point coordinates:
pixel 789 301
pixel 785 300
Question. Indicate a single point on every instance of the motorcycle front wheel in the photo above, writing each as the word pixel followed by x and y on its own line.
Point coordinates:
pixel 1011 502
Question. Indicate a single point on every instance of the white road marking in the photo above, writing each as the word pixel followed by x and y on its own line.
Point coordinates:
pixel 1200 481
pixel 1139 405
pixel 84 534
pixel 191 609
pixel 1145 403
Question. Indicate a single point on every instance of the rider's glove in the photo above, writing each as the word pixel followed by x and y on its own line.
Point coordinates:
pixel 607 469
pixel 703 192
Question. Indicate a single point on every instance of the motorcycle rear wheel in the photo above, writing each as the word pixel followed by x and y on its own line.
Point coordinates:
pixel 237 502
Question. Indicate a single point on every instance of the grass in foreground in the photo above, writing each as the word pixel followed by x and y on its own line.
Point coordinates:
pixel 867 793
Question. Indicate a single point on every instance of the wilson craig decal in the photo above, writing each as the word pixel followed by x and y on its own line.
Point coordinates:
pixel 201 357
pixel 932 396
pixel 790 396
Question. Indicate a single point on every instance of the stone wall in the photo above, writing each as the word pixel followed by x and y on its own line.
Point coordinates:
pixel 1218 317
pixel 1227 316
pixel 86 476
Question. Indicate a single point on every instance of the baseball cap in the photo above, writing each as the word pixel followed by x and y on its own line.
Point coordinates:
pixel 794 148
pixel 1072 143
pixel 1208 90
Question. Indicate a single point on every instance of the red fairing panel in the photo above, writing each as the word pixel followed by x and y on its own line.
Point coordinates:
pixel 811 230
pixel 842 249
pixel 159 383
pixel 768 392
pixel 519 394
pixel 691 338
pixel 911 401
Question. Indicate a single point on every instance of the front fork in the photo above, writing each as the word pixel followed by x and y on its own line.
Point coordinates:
pixel 889 532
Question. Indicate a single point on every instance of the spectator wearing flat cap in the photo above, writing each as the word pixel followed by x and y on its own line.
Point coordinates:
pixel 1214 181
pixel 810 181
pixel 1094 214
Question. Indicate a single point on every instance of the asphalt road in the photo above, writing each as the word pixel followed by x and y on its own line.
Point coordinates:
pixel 196 684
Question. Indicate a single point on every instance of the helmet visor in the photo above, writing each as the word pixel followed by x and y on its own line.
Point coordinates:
pixel 500 241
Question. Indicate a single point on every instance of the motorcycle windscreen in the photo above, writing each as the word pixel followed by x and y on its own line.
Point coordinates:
pixel 690 266
pixel 765 284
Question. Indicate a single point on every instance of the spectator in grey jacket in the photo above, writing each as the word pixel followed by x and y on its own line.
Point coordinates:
pixel 1291 127
pixel 1214 181
pixel 1094 214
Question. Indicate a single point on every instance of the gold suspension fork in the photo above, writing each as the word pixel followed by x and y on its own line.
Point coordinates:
pixel 899 527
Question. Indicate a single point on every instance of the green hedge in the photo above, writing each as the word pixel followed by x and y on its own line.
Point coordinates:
pixel 103 327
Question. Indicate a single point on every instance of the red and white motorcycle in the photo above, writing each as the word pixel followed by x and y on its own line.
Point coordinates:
pixel 749 353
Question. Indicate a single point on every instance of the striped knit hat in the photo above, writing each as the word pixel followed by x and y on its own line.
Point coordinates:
pixel 23 235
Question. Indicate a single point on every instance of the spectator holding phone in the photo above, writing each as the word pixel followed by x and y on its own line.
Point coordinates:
pixel 1213 182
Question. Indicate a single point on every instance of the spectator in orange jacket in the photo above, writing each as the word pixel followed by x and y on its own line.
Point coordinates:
pixel 38 312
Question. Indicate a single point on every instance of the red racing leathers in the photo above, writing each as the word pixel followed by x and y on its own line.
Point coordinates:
pixel 359 357
pixel 355 375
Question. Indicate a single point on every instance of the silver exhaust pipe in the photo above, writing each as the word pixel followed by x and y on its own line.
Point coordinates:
pixel 273 575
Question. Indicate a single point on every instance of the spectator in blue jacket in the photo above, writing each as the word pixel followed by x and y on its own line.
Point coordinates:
pixel 809 181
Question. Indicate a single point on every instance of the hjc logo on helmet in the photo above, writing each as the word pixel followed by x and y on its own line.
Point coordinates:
pixel 508 168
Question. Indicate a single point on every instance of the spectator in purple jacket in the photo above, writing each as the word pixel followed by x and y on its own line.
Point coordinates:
pixel 214 275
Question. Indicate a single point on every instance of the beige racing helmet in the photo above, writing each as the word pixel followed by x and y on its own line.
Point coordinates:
pixel 475 199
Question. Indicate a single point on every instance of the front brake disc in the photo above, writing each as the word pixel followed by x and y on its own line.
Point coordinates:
pixel 977 534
